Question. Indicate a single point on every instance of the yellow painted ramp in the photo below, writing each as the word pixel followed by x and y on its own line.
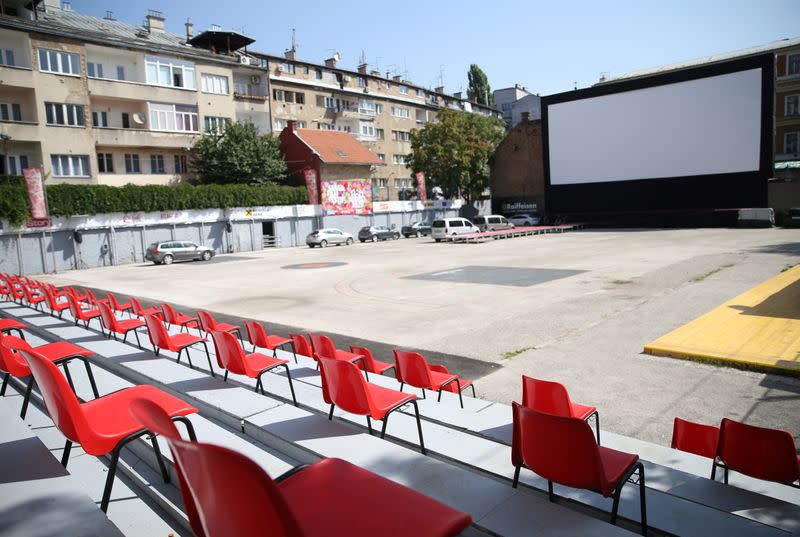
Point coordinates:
pixel 759 329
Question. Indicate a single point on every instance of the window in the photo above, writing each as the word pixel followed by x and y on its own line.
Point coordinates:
pixel 366 107
pixel 432 98
pixel 132 163
pixel 280 124
pixel 400 112
pixel 169 72
pixel 16 163
pixel 288 68
pixel 362 81
pixel 378 109
pixel 126 120
pixel 99 119
pixel 382 156
pixel 70 165
pixel 792 105
pixel 420 93
pixel 288 96
pixel 53 61
pixel 380 183
pixel 94 70
pixel 173 117
pixel 64 114
pixel 263 62
pixel 299 98
pixel 181 164
pixel 791 142
pixel 157 164
pixel 306 69
pixel 368 129
pixel 214 84
pixel 401 136
pixel 793 64
pixel 404 90
pixel 330 102
pixel 10 112
pixel 399 159
pixel 7 57
pixel 277 94
pixel 300 124
pixel 318 74
pixel 120 72
pixel 379 134
pixel 216 124
pixel 402 183
pixel 105 163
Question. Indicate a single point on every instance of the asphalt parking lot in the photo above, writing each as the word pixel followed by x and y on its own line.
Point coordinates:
pixel 574 307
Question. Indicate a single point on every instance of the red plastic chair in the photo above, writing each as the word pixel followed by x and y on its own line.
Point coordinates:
pixel 33 297
pixel 62 352
pixel 413 369
pixel 563 450
pixel 7 325
pixel 323 347
pixel 17 292
pixel 56 306
pixel 227 494
pixel 116 326
pixel 140 312
pixel 553 398
pixel 161 339
pixel 768 454
pixel 179 319
pixel 231 357
pixel 257 335
pixel 208 324
pixel 695 438
pixel 80 314
pixel 104 425
pixel 438 368
pixel 301 346
pixel 370 363
pixel 343 386
pixel 93 300
pixel 5 289
pixel 117 305
pixel 74 292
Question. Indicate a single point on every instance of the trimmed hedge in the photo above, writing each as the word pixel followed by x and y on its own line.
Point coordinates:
pixel 70 200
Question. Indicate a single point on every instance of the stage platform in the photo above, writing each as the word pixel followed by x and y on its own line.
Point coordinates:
pixel 757 330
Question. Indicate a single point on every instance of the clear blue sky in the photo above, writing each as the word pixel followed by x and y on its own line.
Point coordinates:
pixel 546 46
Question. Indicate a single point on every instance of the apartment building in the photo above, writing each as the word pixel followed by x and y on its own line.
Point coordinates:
pixel 105 102
pixel 379 110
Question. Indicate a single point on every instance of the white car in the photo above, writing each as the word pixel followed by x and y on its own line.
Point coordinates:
pixel 524 220
pixel 450 227
pixel 331 235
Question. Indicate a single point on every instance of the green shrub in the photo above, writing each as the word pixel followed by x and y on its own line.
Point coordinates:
pixel 71 200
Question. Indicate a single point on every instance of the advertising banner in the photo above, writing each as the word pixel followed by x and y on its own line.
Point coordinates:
pixel 35 187
pixel 311 186
pixel 422 193
pixel 346 197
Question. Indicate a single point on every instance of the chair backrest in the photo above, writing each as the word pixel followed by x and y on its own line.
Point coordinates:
pixel 157 332
pixel 29 292
pixel 256 333
pixel 344 386
pixel 91 295
pixel 169 313
pixel 107 316
pixel 207 322
pixel 230 354
pixel 59 399
pixel 560 449
pixel 545 396
pixel 322 346
pixel 301 346
pixel 768 454
pixel 112 300
pixel 412 368
pixel 369 359
pixel 136 307
pixel 10 360
pixel 695 438
pixel 51 298
pixel 74 307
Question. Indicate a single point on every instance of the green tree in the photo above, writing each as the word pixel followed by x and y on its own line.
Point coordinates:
pixel 238 155
pixel 479 90
pixel 454 151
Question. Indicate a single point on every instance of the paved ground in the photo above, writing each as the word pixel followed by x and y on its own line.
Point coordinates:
pixel 582 317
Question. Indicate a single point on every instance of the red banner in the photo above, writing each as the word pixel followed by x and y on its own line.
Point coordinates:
pixel 422 193
pixel 35 186
pixel 311 185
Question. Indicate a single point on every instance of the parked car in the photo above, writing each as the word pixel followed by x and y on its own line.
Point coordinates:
pixel 492 222
pixel 792 218
pixel 377 233
pixel 417 229
pixel 450 227
pixel 331 235
pixel 524 220
pixel 168 251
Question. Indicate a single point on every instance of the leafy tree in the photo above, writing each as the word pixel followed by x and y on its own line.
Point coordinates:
pixel 478 89
pixel 238 155
pixel 454 151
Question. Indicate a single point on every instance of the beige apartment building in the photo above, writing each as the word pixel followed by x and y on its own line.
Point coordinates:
pixel 101 101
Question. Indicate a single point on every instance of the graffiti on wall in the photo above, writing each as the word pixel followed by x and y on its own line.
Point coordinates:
pixel 346 197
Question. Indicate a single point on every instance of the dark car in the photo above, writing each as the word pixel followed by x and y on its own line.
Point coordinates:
pixel 416 229
pixel 377 233
pixel 168 251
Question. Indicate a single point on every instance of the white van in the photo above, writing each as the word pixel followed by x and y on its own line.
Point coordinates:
pixel 450 227
pixel 492 222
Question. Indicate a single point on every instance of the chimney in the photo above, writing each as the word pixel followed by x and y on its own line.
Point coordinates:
pixel 333 60
pixel 154 21
pixel 397 78
pixel 526 117
pixel 458 95
pixel 290 54
pixel 375 72
pixel 439 89
pixel 362 69
pixel 109 16
pixel 291 125
pixel 189 29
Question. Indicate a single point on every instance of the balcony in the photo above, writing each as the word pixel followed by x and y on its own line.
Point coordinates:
pixel 248 97
pixel 143 138
pixel 348 112
pixel 16 76
pixel 137 91
pixel 21 131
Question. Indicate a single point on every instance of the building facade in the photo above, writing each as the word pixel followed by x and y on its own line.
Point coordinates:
pixel 504 100
pixel 516 177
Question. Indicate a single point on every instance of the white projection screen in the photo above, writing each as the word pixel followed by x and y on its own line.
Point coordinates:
pixel 696 138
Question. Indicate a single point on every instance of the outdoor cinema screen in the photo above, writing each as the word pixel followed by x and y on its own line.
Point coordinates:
pixel 697 138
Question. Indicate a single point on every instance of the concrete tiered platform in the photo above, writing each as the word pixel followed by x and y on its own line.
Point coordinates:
pixel 759 330
pixel 469 464
pixel 526 231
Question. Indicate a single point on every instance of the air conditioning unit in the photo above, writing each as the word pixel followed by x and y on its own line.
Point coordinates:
pixel 244 60
pixel 255 80
pixel 279 68
pixel 346 79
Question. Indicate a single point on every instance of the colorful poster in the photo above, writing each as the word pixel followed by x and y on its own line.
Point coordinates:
pixel 346 197
pixel 422 194
pixel 311 185
pixel 33 182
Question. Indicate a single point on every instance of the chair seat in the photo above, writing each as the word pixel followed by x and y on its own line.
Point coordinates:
pixel 61 349
pixel 437 379
pixel 332 497
pixel 60 306
pixel 8 324
pixel 179 341
pixel 182 318
pixel 385 399
pixel 379 367
pixel 615 464
pixel 225 327
pixel 35 299
pixel 258 362
pixel 582 411
pixel 129 324
pixel 347 356
pixel 151 311
pixel 274 341
pixel 112 420
pixel 453 387
pixel 123 307
pixel 89 314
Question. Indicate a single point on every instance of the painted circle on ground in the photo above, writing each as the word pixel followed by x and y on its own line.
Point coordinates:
pixel 313 265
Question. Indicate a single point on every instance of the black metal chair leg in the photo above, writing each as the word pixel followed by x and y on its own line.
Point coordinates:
pixel 330 414
pixel 615 506
pixel 65 455
pixel 458 388
pixel 160 458
pixel 516 476
pixel 473 389
pixel 178 359
pixel 26 399
pixel 189 426
pixel 551 496
pixel 5 383
pixel 385 421
pixel 210 367
pixel 294 352
pixel 642 501
pixel 138 343
pixel 401 386
pixel 419 427
pixel 112 470
pixel 91 377
pixel 225 376
pixel 258 385
pixel 291 386
pixel 726 474
pixel 369 425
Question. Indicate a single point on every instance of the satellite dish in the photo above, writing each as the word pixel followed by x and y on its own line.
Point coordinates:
pixel 138 118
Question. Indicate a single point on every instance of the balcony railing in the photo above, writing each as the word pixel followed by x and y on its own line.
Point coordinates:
pixel 249 97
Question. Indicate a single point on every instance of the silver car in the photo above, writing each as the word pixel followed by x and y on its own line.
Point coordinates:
pixel 331 235
pixel 168 251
